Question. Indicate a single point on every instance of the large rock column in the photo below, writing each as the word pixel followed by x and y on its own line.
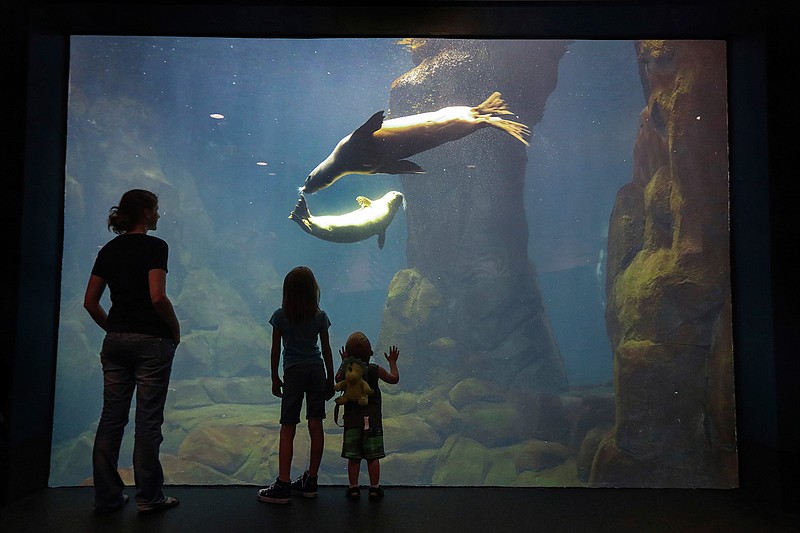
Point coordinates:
pixel 467 230
pixel 669 302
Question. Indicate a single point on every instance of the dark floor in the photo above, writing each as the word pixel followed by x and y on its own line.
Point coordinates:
pixel 411 510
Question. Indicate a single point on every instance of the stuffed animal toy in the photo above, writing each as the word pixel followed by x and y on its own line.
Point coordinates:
pixel 354 387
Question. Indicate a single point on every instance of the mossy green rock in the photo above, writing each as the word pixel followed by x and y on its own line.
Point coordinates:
pixel 398 403
pixel 206 298
pixel 562 475
pixel 239 346
pixel 442 416
pixel 223 448
pixel 588 450
pixel 471 390
pixel 242 348
pixel 266 416
pixel 72 460
pixel 491 424
pixel 187 394
pixel 413 468
pixel 241 390
pixel 669 283
pixel 502 471
pixel 180 471
pixel 460 462
pixel 536 455
pixel 410 302
pixel 407 433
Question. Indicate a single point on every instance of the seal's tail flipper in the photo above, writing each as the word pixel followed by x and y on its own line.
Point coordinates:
pixel 515 129
pixel 494 105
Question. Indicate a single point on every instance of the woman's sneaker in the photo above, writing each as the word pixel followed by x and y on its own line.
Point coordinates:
pixel 278 492
pixel 156 507
pixel 113 508
pixel 305 486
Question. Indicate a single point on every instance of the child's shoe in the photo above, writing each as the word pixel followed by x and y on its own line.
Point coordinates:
pixel 353 493
pixel 305 486
pixel 375 493
pixel 278 492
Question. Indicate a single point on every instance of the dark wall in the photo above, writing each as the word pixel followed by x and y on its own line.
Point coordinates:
pixel 764 221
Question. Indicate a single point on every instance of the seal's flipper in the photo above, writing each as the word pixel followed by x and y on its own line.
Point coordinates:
pixel 300 214
pixel 372 125
pixel 515 129
pixel 381 239
pixel 300 210
pixel 494 105
pixel 363 201
pixel 402 166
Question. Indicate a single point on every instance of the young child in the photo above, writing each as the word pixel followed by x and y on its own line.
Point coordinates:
pixel 363 426
pixel 307 372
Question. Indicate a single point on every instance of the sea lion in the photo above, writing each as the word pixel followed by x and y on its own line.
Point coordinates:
pixel 381 146
pixel 372 218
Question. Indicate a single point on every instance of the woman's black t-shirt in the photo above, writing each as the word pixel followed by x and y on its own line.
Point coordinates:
pixel 125 263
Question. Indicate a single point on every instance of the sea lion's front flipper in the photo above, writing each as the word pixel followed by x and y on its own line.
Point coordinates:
pixel 402 166
pixel 301 214
pixel 363 201
pixel 372 125
pixel 381 240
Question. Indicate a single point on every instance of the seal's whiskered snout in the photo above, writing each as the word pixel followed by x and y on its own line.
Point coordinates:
pixel 306 183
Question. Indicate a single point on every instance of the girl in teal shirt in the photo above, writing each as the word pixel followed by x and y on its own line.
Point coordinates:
pixel 307 367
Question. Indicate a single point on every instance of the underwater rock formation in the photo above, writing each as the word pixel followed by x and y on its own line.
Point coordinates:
pixel 468 207
pixel 668 285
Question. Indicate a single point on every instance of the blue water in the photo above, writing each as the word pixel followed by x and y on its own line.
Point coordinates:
pixel 580 155
pixel 288 102
pixel 283 105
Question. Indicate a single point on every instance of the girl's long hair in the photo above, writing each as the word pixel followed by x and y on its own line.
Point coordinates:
pixel 300 294
pixel 123 217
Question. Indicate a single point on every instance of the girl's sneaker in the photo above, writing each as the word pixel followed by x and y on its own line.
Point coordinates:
pixel 278 492
pixel 305 486
pixel 375 493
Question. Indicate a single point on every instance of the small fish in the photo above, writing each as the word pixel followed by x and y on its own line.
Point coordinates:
pixel 217 116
